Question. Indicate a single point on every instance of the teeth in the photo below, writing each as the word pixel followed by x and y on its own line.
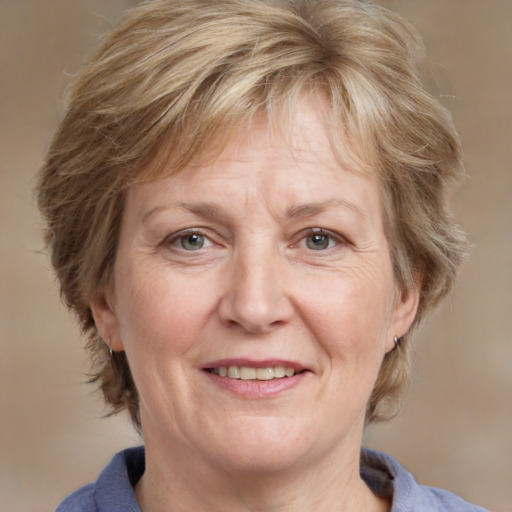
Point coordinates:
pixel 247 373
pixel 250 373
pixel 279 372
pixel 264 373
pixel 234 372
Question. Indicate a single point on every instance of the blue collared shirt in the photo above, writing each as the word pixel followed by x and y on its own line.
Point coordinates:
pixel 113 490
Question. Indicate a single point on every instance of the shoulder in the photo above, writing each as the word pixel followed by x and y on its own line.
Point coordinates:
pixel 449 502
pixel 113 490
pixel 386 477
pixel 81 500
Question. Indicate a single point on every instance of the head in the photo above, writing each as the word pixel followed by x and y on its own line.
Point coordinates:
pixel 175 72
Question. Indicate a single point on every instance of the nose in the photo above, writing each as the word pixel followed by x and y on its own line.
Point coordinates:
pixel 254 298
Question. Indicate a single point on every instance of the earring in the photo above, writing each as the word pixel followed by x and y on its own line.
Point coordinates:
pixel 112 352
pixel 398 341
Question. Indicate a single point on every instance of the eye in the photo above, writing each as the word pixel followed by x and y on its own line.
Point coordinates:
pixel 190 241
pixel 319 240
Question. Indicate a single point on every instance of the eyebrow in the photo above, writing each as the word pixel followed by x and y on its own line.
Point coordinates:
pixel 207 210
pixel 301 211
pixel 310 209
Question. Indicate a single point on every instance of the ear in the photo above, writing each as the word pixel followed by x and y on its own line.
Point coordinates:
pixel 404 313
pixel 106 322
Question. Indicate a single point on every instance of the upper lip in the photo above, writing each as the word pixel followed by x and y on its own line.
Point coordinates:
pixel 252 363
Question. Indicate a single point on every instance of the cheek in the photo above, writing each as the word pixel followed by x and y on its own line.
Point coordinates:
pixel 159 311
pixel 351 312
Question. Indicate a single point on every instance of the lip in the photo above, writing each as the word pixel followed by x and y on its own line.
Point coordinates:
pixel 256 389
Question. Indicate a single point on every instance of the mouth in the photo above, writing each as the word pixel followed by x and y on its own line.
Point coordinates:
pixel 254 373
pixel 254 380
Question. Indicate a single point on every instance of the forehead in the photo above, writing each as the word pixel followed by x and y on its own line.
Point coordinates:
pixel 294 159
pixel 286 119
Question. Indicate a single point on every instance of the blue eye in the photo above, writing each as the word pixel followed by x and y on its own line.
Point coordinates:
pixel 191 242
pixel 318 242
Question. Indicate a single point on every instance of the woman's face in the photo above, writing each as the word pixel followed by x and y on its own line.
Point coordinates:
pixel 232 275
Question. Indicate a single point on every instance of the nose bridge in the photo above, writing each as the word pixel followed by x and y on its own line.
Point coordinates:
pixel 256 299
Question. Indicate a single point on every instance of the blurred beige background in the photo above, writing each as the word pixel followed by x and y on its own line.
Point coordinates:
pixel 456 429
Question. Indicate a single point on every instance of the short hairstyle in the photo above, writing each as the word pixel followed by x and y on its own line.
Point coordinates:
pixel 174 72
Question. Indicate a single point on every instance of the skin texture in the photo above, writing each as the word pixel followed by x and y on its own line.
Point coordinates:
pixel 225 261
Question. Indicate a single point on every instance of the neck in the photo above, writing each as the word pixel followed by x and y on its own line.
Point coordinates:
pixel 177 482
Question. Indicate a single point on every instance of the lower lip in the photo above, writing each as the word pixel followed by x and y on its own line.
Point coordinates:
pixel 255 389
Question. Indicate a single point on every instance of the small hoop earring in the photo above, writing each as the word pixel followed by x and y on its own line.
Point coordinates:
pixel 398 341
pixel 112 352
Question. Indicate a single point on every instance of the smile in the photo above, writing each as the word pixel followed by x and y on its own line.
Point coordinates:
pixel 251 373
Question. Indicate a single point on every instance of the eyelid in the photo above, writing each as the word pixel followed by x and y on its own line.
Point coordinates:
pixel 337 237
pixel 170 240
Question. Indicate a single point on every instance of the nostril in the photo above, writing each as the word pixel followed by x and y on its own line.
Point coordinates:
pixel 255 316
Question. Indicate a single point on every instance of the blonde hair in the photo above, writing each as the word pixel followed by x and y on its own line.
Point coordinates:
pixel 174 72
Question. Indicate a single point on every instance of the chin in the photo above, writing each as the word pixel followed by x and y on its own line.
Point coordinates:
pixel 253 460
pixel 264 445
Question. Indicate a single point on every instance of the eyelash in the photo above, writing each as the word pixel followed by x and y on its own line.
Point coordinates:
pixel 181 236
pixel 320 232
pixel 323 236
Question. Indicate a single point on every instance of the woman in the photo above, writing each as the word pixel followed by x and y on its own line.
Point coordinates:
pixel 246 208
